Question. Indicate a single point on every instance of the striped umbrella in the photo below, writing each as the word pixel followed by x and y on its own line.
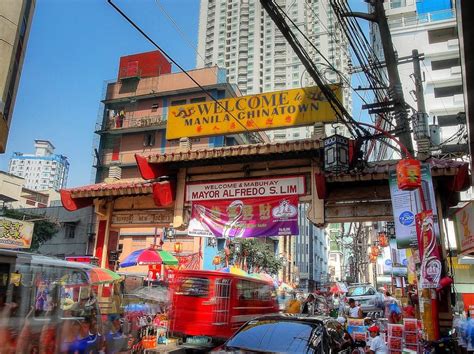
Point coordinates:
pixel 148 256
pixel 234 270
pixel 103 276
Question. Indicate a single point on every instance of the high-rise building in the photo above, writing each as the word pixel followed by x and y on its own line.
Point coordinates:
pixel 15 23
pixel 42 170
pixel 241 37
pixel 430 27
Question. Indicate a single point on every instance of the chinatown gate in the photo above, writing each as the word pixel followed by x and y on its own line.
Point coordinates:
pixel 159 201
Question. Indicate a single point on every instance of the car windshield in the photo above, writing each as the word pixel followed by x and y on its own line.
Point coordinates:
pixel 278 337
pixel 360 291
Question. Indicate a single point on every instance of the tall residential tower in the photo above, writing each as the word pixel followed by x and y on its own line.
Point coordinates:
pixel 240 36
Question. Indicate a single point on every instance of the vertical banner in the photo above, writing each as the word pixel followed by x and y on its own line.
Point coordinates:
pixel 430 271
pixel 406 204
pixel 259 217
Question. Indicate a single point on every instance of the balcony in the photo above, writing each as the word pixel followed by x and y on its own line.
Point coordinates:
pixel 119 124
pixel 430 17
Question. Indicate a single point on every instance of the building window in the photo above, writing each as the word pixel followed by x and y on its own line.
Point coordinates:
pixel 445 64
pixel 442 35
pixel 197 99
pixel 178 102
pixel 448 91
pixel 69 230
pixel 149 139
pixel 154 107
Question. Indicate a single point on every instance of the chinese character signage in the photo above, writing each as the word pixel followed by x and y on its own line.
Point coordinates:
pixel 281 109
pixel 464 226
pixel 430 271
pixel 249 188
pixel 15 233
pixel 256 217
pixel 406 204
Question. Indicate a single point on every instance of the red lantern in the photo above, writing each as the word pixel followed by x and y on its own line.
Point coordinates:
pixel 178 247
pixel 383 239
pixel 409 174
pixel 374 251
pixel 372 258
pixel 216 260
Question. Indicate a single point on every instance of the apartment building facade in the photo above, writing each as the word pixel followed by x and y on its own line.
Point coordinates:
pixel 135 112
pixel 15 24
pixel 430 27
pixel 43 170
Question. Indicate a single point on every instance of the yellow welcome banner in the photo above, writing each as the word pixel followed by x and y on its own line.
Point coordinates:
pixel 272 110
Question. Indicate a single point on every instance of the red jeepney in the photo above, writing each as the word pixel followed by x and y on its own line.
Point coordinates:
pixel 216 304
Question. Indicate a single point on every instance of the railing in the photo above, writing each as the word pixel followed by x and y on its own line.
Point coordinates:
pixel 429 17
pixel 119 122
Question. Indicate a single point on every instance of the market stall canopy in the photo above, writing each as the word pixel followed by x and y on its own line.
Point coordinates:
pixel 148 256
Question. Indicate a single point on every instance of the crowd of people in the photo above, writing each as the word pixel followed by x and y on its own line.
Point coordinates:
pixel 337 305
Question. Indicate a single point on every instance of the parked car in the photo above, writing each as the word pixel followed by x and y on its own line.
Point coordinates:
pixel 369 299
pixel 288 333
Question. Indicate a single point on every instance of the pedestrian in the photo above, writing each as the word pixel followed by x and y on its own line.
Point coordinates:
pixel 293 305
pixel 308 305
pixel 354 311
pixel 377 344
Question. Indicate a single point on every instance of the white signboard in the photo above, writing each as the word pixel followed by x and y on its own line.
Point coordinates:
pixel 406 204
pixel 15 233
pixel 247 188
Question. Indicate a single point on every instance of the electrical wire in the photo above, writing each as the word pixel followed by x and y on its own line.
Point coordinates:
pixel 129 20
pixel 340 112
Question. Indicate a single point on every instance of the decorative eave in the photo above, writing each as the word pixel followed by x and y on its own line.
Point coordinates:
pixel 154 166
pixel 80 197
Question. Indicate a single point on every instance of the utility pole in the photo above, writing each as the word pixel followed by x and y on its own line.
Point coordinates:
pixel 420 128
pixel 395 86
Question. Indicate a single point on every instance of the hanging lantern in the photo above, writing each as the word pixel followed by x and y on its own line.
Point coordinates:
pixel 409 174
pixel 178 247
pixel 336 154
pixel 216 260
pixel 383 239
pixel 372 258
pixel 374 251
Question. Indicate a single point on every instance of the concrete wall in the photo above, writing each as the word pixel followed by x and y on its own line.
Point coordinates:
pixel 62 244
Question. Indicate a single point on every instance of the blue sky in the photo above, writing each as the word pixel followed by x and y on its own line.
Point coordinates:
pixel 74 46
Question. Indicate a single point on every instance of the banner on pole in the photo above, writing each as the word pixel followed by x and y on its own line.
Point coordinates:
pixel 257 217
pixel 430 271
pixel 406 204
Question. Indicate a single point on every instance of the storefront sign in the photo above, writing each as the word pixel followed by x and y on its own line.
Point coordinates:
pixel 142 218
pixel 15 233
pixel 248 188
pixel 289 108
pixel 464 226
pixel 257 217
pixel 406 204
pixel 430 271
